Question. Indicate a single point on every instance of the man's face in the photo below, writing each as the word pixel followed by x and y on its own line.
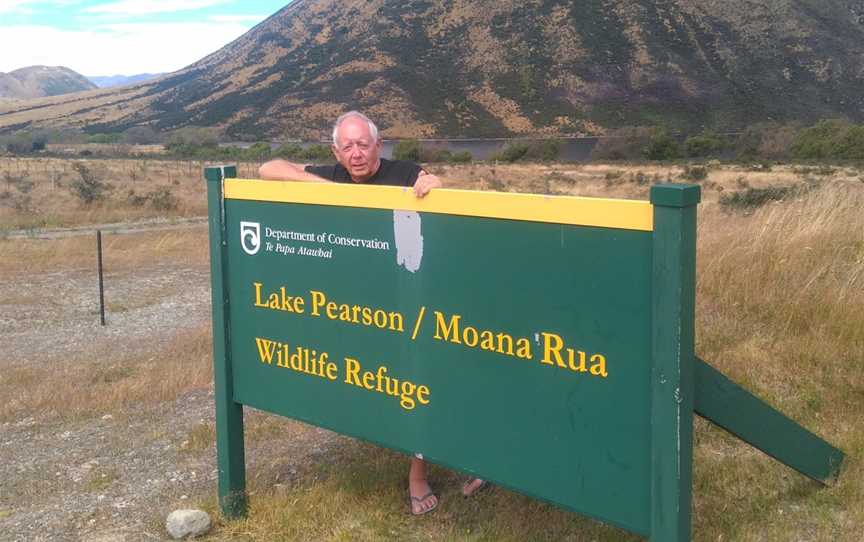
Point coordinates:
pixel 356 150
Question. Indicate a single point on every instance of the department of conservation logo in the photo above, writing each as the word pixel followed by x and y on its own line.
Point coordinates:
pixel 250 237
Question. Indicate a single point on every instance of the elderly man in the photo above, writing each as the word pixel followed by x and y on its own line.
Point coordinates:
pixel 358 152
pixel 357 149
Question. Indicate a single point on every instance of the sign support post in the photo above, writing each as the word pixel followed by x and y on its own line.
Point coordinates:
pixel 229 414
pixel 673 358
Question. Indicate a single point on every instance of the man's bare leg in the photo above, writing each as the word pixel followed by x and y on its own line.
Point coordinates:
pixel 422 498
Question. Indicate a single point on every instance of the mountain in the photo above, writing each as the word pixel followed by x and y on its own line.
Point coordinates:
pixel 39 81
pixel 501 67
pixel 105 81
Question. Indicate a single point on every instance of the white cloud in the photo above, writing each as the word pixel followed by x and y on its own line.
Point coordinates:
pixel 145 7
pixel 8 6
pixel 21 6
pixel 125 49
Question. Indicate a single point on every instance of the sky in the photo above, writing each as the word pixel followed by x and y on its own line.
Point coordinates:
pixel 122 37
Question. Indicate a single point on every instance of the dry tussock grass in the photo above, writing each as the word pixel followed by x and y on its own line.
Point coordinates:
pixel 109 380
pixel 121 253
pixel 780 309
pixel 37 193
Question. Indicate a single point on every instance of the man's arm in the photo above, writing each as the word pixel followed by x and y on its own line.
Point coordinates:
pixel 426 182
pixel 283 170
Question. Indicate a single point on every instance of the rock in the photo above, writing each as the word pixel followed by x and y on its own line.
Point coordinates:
pixel 187 523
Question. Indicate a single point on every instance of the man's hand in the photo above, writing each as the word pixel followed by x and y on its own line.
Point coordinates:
pixel 425 183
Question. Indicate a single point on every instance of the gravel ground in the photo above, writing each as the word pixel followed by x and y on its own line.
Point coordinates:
pixel 115 477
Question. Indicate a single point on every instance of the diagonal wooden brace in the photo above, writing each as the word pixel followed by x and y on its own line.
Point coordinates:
pixel 728 405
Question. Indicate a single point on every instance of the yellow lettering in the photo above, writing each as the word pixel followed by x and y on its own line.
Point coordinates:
pixel 450 332
pixel 368 380
pixel 598 365
pixel 487 340
pixel 406 400
pixel 549 349
pixel 503 339
pixel 331 310
pixel 258 302
pixel 422 394
pixel 571 358
pixel 265 350
pixel 469 335
pixel 523 349
pixel 367 316
pixel 331 371
pixel 318 299
pixel 352 368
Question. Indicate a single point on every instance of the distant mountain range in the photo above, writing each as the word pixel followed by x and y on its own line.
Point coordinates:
pixel 40 81
pixel 426 68
pixel 105 81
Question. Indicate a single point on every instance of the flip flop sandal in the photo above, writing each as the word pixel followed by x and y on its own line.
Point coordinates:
pixel 419 500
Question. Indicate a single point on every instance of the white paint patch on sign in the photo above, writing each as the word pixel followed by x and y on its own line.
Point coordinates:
pixel 409 239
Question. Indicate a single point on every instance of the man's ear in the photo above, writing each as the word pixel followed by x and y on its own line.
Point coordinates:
pixel 333 150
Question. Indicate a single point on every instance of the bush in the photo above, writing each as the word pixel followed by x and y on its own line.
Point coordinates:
pixel 407 149
pixel 752 198
pixel 462 157
pixel 258 151
pixel 162 199
pixel 851 144
pixel 695 173
pixel 318 153
pixel 662 147
pixel 511 153
pixel 819 141
pixel 706 144
pixel 289 151
pixel 87 188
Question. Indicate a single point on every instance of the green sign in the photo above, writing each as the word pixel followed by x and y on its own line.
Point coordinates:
pixel 544 344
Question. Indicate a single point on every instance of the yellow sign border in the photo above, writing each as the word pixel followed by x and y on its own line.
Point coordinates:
pixel 577 211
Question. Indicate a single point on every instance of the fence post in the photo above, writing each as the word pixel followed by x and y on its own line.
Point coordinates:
pixel 673 357
pixel 229 414
pixel 99 272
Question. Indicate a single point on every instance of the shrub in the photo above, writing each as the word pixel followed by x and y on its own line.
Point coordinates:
pixel 289 151
pixel 462 157
pixel 258 151
pixel 662 146
pixel 851 144
pixel 407 149
pixel 511 153
pixel 821 140
pixel 695 173
pixel 544 150
pixel 317 153
pixel 87 187
pixel 706 144
pixel 752 198
pixel 162 199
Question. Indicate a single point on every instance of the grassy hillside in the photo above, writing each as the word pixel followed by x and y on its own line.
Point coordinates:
pixel 493 68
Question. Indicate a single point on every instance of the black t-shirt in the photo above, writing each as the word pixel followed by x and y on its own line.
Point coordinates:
pixel 390 172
